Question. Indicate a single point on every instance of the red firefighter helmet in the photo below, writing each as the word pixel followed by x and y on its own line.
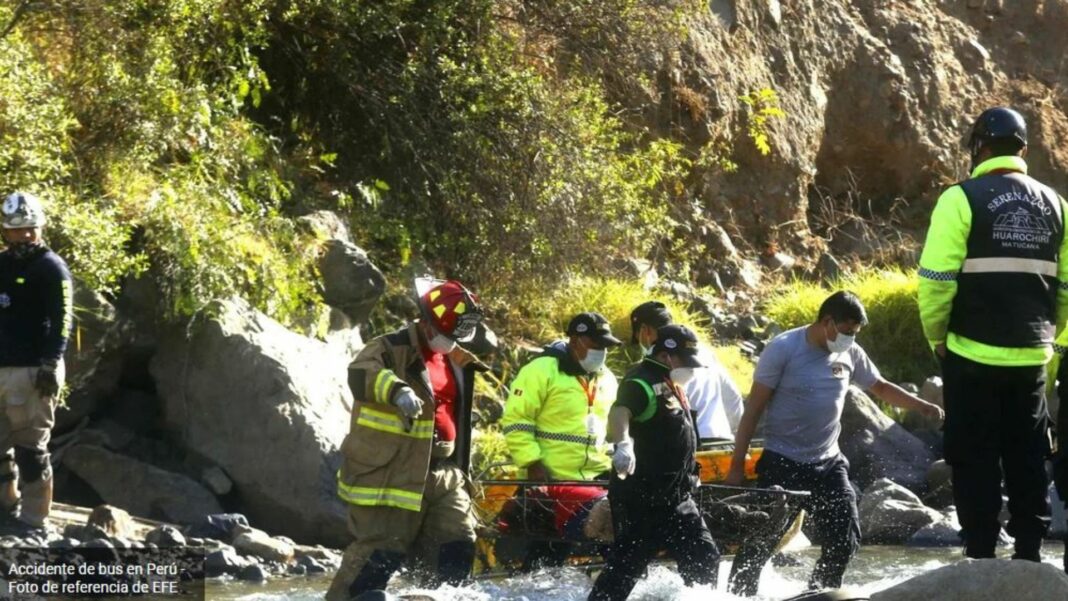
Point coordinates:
pixel 451 308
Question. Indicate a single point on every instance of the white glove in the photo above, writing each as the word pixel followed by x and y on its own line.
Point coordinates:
pixel 623 460
pixel 409 404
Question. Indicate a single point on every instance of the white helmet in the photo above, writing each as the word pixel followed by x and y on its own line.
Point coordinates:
pixel 20 210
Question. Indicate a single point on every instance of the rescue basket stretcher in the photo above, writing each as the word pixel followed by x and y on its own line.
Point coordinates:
pixel 514 513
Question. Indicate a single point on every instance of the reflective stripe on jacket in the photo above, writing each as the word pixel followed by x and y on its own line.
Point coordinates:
pixel 945 257
pixel 545 418
pixel 386 457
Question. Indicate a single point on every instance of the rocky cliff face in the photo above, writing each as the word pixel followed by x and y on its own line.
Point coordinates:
pixel 879 96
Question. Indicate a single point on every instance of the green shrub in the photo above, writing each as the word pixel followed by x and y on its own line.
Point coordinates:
pixel 739 367
pixel 893 337
pixel 541 316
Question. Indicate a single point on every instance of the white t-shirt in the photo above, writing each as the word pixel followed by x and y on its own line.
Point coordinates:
pixel 714 398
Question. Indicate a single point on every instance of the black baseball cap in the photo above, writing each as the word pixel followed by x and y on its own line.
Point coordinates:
pixel 650 313
pixel 594 326
pixel 679 341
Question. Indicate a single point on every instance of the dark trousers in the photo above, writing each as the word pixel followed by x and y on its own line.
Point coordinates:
pixel 642 531
pixel 996 420
pixel 832 507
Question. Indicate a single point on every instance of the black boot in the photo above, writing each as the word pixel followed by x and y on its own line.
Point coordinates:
pixel 376 572
pixel 454 562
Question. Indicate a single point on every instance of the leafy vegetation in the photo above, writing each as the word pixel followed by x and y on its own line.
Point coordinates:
pixel 763 106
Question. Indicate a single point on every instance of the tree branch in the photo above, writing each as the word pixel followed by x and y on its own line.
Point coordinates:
pixel 20 11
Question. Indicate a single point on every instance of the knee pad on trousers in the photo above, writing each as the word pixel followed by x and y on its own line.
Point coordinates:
pixel 454 562
pixel 376 573
pixel 33 464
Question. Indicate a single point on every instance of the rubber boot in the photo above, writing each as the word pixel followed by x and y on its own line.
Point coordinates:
pixel 375 574
pixel 36 502
pixel 454 562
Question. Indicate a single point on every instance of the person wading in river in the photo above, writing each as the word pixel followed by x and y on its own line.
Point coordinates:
pixel 801 381
pixel 655 472
pixel 405 458
pixel 555 416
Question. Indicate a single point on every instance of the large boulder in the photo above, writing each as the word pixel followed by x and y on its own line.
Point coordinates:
pixel 939 485
pixel 943 533
pixel 982 580
pixel 877 447
pixel 890 513
pixel 350 281
pixel 917 423
pixel 268 406
pixel 93 359
pixel 139 488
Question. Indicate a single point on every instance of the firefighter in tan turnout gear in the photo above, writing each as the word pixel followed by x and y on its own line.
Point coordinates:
pixel 405 458
pixel 35 322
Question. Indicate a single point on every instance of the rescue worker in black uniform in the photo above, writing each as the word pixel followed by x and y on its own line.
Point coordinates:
pixel 655 472
pixel 993 290
pixel 36 296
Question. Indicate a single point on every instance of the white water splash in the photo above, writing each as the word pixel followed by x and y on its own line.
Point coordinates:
pixel 874 569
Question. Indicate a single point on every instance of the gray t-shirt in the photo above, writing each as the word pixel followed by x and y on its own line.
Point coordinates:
pixel 803 417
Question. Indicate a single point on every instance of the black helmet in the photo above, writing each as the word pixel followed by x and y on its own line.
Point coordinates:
pixel 998 123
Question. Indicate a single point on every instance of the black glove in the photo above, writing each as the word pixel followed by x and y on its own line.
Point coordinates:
pixel 47 383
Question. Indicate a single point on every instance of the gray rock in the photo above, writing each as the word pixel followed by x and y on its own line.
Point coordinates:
pixel 216 480
pixel 939 484
pixel 64 543
pixel 943 533
pixel 108 433
pixel 98 543
pixel 268 406
pixel 262 545
pixel 350 281
pixel 891 514
pixel 165 537
pixel 877 447
pixel 142 489
pixel 828 268
pixel 112 520
pixel 93 358
pixel 84 532
pixel 223 561
pixel 719 244
pixel 982 580
pixel 297 570
pixel 774 12
pixel 325 225
pixel 252 573
pixel 931 391
pixel 311 566
pixel 779 260
pixel 749 274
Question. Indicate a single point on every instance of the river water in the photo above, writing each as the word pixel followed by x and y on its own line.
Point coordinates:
pixel 874 569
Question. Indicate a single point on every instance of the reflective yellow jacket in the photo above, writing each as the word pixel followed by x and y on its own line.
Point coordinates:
pixel 546 416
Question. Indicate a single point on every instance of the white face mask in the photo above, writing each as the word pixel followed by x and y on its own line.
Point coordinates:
pixel 646 350
pixel 594 360
pixel 682 375
pixel 841 343
pixel 442 344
